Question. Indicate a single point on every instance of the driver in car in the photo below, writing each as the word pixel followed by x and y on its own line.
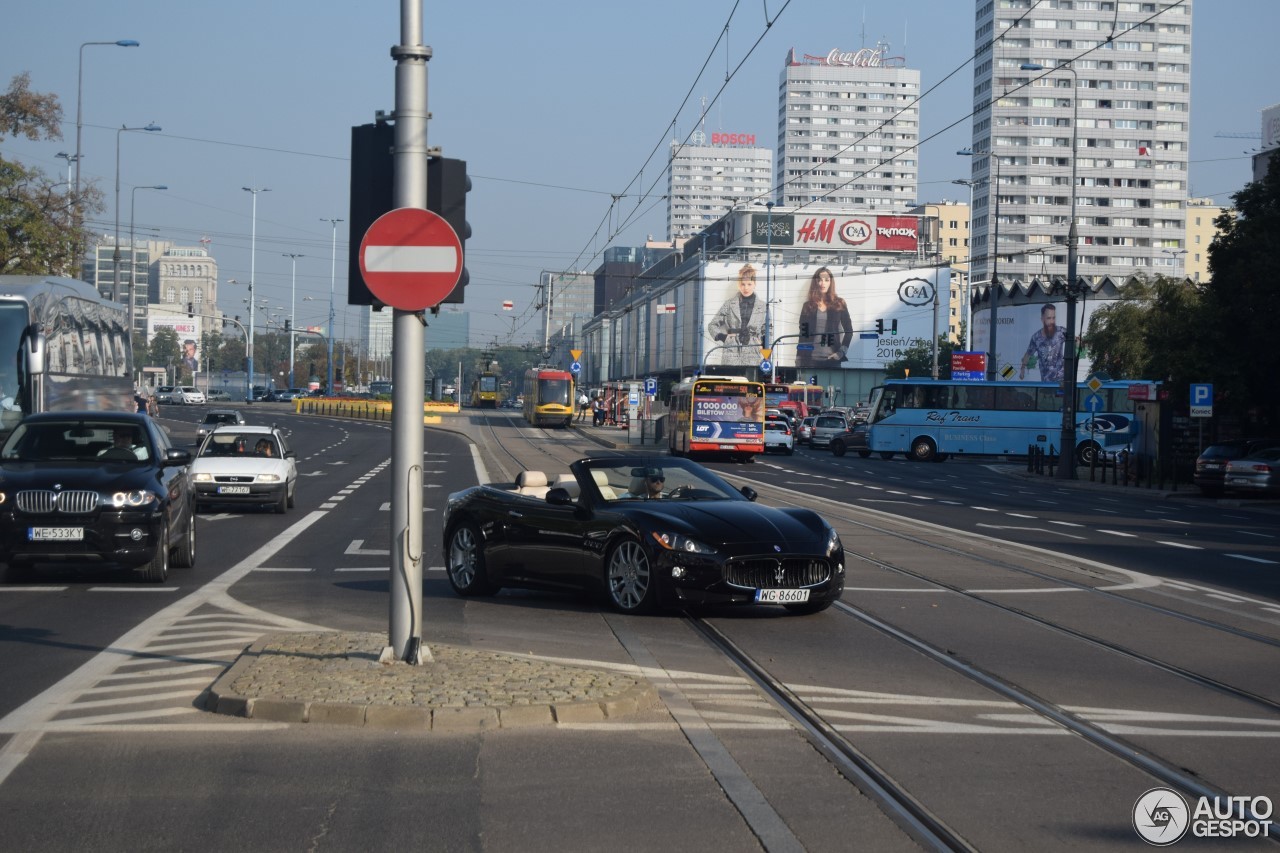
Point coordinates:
pixel 647 486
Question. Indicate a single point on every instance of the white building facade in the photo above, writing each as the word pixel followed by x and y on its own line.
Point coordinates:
pixel 848 124
pixel 710 176
pixel 1108 105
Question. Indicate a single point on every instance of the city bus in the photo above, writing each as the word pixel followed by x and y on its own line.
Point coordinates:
pixel 801 399
pixel 62 348
pixel 548 397
pixel 484 391
pixel 717 415
pixel 928 419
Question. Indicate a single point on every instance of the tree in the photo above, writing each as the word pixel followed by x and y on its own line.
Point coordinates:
pixel 1242 304
pixel 918 359
pixel 1154 331
pixel 41 231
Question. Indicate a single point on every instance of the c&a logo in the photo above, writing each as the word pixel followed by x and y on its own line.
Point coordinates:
pixel 1161 817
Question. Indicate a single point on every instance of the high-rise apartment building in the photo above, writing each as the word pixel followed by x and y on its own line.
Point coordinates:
pixel 1085 105
pixel 848 124
pixel 710 176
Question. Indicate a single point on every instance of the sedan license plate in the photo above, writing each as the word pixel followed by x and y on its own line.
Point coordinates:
pixel 55 534
pixel 1237 481
pixel 781 596
pixel 233 490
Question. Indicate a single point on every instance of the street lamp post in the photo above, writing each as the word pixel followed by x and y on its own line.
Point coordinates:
pixel 133 262
pixel 966 311
pixel 115 256
pixel 768 283
pixel 80 101
pixel 333 277
pixel 70 158
pixel 253 256
pixel 293 304
pixel 937 259
pixel 993 286
pixel 1067 442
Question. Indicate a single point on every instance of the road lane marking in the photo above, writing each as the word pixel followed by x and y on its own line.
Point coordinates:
pixel 1253 559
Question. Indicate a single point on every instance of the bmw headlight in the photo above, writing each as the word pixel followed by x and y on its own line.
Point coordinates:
pixel 268 478
pixel 679 542
pixel 132 500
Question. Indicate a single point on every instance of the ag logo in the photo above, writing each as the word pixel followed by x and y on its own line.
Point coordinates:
pixel 916 291
pixel 1161 817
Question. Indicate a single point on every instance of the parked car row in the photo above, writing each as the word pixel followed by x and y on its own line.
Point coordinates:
pixel 180 395
pixel 1240 466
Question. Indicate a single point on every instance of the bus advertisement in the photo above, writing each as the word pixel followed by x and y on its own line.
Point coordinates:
pixel 928 420
pixel 717 415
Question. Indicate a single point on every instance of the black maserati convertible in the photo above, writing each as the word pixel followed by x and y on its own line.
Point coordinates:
pixel 647 532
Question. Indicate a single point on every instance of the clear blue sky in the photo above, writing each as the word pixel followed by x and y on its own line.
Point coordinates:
pixel 556 106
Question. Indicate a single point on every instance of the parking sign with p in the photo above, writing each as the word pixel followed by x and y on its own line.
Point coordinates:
pixel 1202 400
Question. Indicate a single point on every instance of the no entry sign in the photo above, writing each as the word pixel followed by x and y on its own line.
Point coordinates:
pixel 410 259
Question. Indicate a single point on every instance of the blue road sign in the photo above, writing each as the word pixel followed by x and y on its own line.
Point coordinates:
pixel 650 386
pixel 1202 399
pixel 575 367
pixel 804 347
pixel 1093 403
pixel 765 366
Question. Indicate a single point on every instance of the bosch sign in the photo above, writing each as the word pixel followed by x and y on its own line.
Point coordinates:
pixel 748 139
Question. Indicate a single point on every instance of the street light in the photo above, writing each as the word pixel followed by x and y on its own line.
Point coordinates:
pixel 993 285
pixel 70 158
pixel 115 257
pixel 333 275
pixel 1066 454
pixel 253 257
pixel 79 101
pixel 133 261
pixel 966 311
pixel 293 304
pixel 937 259
pixel 768 281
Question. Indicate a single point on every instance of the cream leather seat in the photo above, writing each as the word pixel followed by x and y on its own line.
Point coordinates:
pixel 602 482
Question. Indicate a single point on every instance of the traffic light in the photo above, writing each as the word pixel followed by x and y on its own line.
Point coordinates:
pixel 813 380
pixel 288 325
pixel 191 310
pixel 372 192
pixel 879 327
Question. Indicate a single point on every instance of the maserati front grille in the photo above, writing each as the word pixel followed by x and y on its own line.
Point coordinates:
pixel 776 573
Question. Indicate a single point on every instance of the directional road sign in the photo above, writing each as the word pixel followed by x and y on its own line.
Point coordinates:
pixel 1093 403
pixel 410 259
pixel 765 366
pixel 575 367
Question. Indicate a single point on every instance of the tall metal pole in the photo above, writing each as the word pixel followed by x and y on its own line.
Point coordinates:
pixel 1067 440
pixel 333 276
pixel 993 369
pixel 253 259
pixel 133 262
pixel 80 103
pixel 293 305
pixel 966 312
pixel 115 256
pixel 404 634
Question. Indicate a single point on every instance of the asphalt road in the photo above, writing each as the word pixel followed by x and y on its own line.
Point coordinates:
pixel 1032 584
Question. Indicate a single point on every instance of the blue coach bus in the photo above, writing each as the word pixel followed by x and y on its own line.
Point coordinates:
pixel 929 420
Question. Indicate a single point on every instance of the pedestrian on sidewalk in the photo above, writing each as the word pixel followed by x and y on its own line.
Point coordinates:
pixel 583 403
pixel 597 412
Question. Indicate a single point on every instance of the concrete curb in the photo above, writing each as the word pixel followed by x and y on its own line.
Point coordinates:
pixel 334 678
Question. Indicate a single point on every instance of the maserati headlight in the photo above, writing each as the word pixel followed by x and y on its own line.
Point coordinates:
pixel 833 542
pixel 678 542
pixel 132 500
